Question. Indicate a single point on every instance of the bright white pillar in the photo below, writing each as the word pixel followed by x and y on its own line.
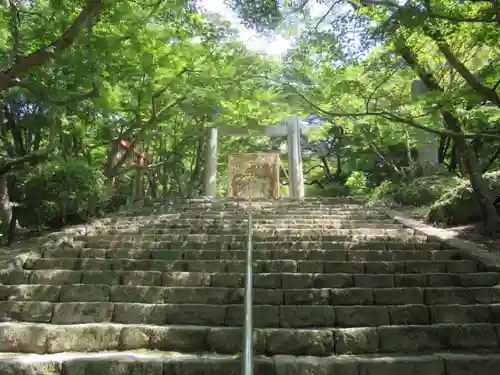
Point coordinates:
pixel 300 172
pixel 210 178
pixel 293 157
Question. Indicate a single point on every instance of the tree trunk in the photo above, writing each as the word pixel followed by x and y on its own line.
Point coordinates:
pixel 338 171
pixel 453 159
pixel 480 189
pixel 5 205
pixel 489 214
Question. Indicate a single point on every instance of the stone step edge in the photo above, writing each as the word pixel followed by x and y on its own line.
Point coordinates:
pixel 164 363
pixel 470 249
pixel 231 316
pixel 45 339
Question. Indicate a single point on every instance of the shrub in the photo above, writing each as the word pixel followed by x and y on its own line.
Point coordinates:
pixel 458 205
pixel 357 182
pixel 421 191
pixel 63 192
pixel 330 190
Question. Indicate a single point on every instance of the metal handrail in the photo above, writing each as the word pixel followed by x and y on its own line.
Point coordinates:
pixel 247 368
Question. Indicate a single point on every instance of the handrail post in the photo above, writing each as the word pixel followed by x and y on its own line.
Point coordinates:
pixel 247 368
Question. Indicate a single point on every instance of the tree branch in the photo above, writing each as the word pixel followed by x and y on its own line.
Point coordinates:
pixel 397 118
pixel 454 61
pixel 39 93
pixel 417 12
pixel 13 163
pixel 326 14
pixel 10 77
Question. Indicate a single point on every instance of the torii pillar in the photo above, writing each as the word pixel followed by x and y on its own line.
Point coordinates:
pixel 210 177
pixel 295 158
pixel 290 129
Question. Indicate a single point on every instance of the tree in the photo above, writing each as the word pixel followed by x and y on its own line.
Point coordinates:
pixel 417 40
pixel 149 74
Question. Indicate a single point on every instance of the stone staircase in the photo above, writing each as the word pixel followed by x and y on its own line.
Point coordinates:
pixel 338 289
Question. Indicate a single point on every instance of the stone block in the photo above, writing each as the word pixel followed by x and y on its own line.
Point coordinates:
pixel 422 266
pixel 111 366
pixel 184 339
pixel 87 338
pixel 338 365
pixel 443 280
pixel 409 315
pixel 101 277
pixel 264 280
pixel 412 365
pixel 479 279
pixel 141 294
pixel 13 367
pixel 344 267
pixel 140 313
pixel 362 316
pixel 471 364
pixel 26 311
pixel 406 280
pixel 341 280
pixel 307 296
pixel 207 266
pixel 54 277
pixel 384 267
pixel 82 312
pixel 306 316
pixel 187 279
pixel 151 278
pixel 210 315
pixel 351 296
pixel 460 314
pixel 229 340
pixel 30 292
pixel 462 266
pixel 263 316
pixel 14 276
pixel 409 339
pixel 85 293
pixel 317 342
pixel 297 280
pixel 363 340
pixel 374 281
pixel 398 296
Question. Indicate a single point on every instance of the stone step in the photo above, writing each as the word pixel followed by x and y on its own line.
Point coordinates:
pixel 268 209
pixel 228 227
pixel 374 243
pixel 229 220
pixel 362 244
pixel 261 296
pixel 236 280
pixel 163 363
pixel 259 266
pixel 243 226
pixel 283 216
pixel 271 233
pixel 177 218
pixel 42 338
pixel 257 216
pixel 264 316
pixel 404 234
pixel 338 255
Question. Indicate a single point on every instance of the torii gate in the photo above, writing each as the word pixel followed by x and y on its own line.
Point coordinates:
pixel 290 128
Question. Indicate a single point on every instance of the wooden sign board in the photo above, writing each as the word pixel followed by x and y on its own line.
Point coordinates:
pixel 256 175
